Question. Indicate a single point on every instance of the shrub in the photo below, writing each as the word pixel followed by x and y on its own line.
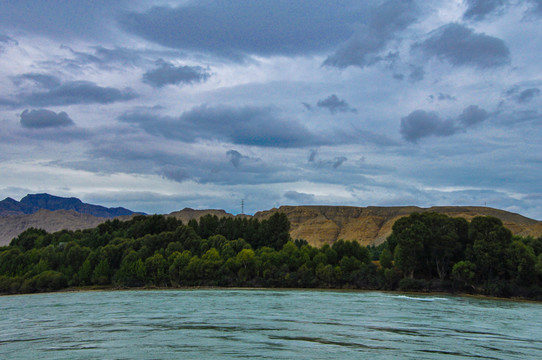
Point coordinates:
pixel 408 284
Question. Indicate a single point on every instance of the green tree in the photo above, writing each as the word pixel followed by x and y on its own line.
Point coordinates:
pixel 351 248
pixel 409 250
pixel 102 273
pixel 325 274
pixel 27 238
pixel 463 273
pixel 85 272
pixel 132 271
pixel 521 262
pixel 445 243
pixel 246 258
pixel 75 255
pixel 211 263
pixel 274 232
pixel 490 243
pixel 156 270
pixel 179 262
pixel 386 259
pixel 208 226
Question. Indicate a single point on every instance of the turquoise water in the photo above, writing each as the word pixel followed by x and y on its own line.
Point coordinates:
pixel 234 324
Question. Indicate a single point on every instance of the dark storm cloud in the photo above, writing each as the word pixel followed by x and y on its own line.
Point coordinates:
pixel 175 173
pixel 472 115
pixel 51 91
pixel 299 198
pixel 461 46
pixel 248 125
pixel 420 123
pixel 335 105
pixel 77 92
pixel 43 118
pixel 258 126
pixel 167 73
pixel 329 163
pixel 364 47
pixel 479 9
pixel 235 28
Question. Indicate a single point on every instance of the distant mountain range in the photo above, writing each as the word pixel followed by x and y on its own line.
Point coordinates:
pixel 32 203
pixel 318 225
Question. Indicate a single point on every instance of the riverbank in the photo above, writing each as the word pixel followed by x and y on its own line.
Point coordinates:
pixel 107 288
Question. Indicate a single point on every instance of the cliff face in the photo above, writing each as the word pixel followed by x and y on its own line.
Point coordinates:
pixel 321 225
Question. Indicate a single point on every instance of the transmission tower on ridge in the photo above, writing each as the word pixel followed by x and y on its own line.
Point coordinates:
pixel 242 206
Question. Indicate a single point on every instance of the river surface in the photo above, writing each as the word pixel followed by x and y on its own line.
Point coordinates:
pixel 284 324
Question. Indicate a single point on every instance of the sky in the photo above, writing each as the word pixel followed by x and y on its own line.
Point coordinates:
pixel 161 105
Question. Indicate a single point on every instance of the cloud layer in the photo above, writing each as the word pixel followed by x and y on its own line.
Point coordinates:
pixel 202 103
pixel 232 29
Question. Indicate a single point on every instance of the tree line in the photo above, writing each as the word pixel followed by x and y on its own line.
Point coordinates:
pixel 426 251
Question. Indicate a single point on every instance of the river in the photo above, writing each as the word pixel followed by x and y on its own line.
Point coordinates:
pixel 273 324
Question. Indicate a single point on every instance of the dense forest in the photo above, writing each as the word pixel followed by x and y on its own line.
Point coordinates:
pixel 425 252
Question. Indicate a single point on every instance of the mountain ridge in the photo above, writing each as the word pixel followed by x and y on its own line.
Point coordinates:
pixel 317 224
pixel 32 203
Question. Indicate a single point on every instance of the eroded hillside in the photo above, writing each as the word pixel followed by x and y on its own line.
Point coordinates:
pixel 318 225
pixel 372 225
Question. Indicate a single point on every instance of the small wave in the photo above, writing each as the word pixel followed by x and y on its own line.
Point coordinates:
pixel 429 299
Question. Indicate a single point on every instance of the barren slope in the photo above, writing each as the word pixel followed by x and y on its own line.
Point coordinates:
pixel 51 221
pixel 372 225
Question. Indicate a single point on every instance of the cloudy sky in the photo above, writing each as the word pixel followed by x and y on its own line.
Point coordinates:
pixel 160 105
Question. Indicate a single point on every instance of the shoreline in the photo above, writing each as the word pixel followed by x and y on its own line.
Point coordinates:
pixel 222 288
